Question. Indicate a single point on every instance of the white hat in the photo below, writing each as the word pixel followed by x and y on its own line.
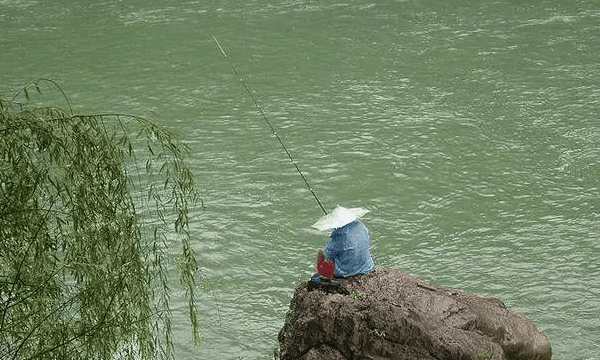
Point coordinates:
pixel 339 217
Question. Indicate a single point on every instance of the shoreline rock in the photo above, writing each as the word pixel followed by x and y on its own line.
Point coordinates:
pixel 392 315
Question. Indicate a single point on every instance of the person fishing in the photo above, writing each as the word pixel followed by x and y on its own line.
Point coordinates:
pixel 347 253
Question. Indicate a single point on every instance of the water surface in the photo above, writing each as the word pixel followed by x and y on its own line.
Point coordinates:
pixel 470 130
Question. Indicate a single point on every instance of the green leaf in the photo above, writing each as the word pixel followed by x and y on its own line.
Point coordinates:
pixel 77 210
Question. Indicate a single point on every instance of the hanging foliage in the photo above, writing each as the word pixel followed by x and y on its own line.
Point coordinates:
pixel 90 207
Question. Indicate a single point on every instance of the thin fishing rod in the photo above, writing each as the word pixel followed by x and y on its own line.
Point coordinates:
pixel 260 110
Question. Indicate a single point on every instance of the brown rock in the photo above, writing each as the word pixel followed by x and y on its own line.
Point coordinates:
pixel 391 315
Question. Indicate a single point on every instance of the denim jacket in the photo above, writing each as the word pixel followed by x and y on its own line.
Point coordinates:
pixel 349 248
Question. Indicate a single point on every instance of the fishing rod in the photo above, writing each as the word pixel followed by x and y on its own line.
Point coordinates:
pixel 260 110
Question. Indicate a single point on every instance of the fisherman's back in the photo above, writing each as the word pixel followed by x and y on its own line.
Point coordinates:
pixel 349 247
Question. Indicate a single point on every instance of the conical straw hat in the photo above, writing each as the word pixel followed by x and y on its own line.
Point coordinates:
pixel 339 217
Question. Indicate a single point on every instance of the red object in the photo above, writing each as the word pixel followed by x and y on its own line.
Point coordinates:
pixel 326 268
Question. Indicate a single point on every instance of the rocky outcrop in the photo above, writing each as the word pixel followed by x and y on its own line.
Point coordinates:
pixel 391 315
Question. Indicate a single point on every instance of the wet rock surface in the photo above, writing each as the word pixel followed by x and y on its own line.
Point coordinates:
pixel 392 315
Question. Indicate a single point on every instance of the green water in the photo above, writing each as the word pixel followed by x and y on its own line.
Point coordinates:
pixel 470 129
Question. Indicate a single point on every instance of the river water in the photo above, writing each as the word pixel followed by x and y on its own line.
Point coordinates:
pixel 469 128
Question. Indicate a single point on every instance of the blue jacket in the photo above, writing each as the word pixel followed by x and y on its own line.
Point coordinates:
pixel 349 248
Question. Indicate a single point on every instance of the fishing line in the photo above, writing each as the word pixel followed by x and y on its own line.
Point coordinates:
pixel 260 110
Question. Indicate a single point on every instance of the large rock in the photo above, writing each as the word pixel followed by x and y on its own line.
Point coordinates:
pixel 391 315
